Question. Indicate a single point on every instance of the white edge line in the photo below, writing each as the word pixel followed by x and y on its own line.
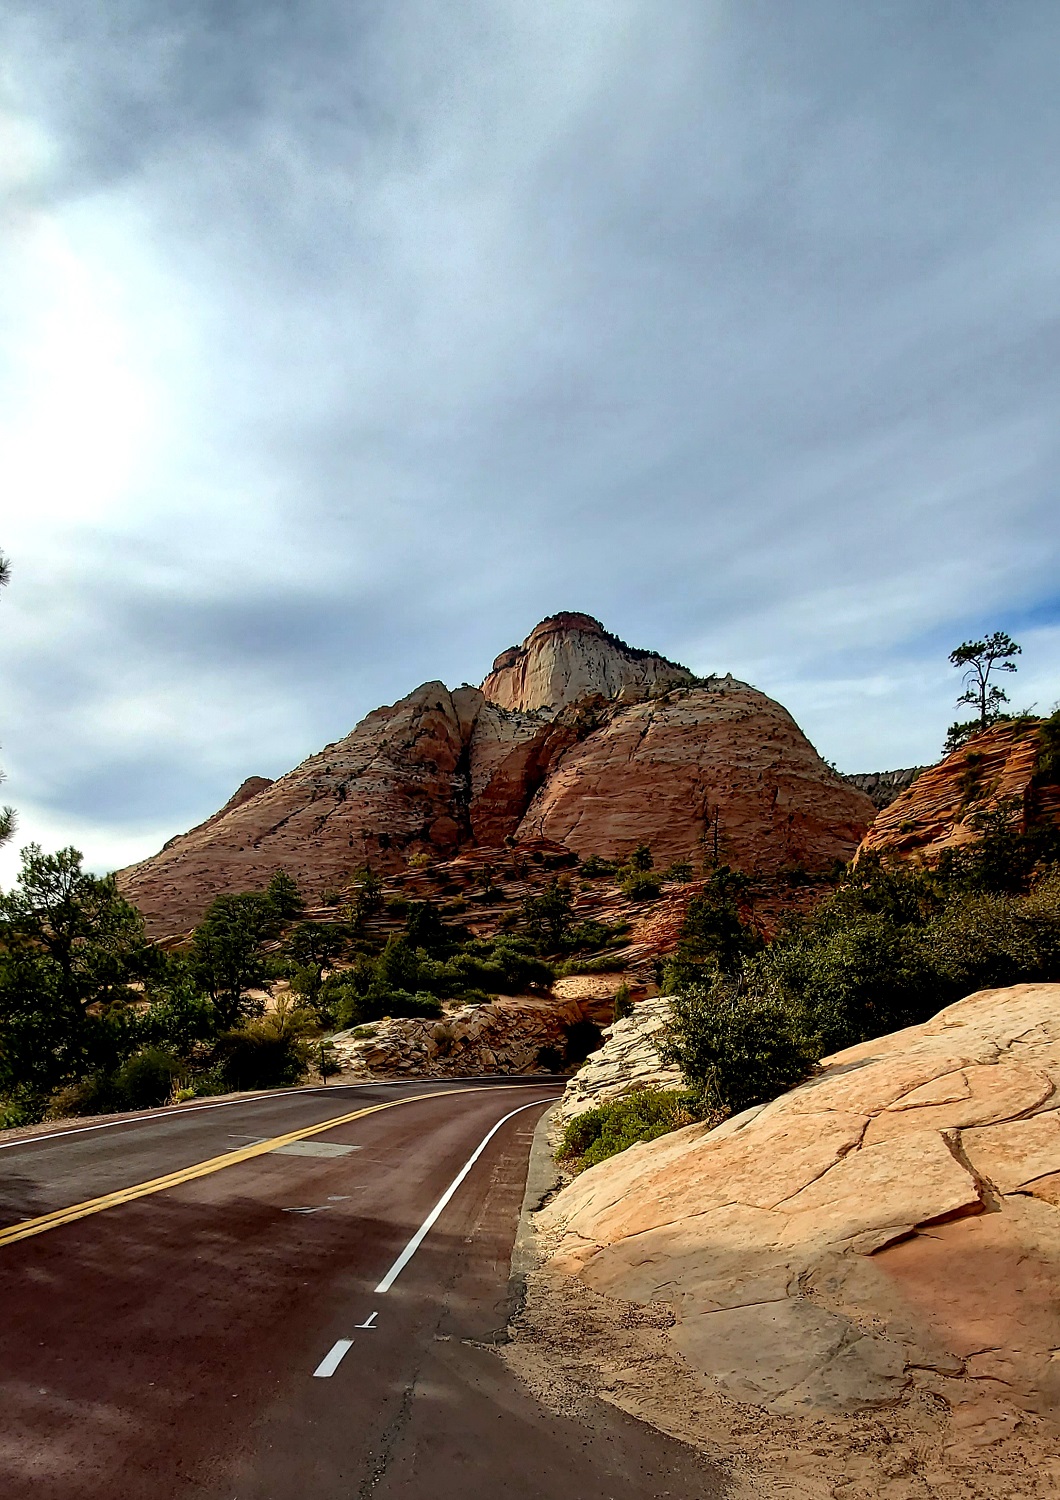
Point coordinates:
pixel 334 1357
pixel 421 1234
pixel 173 1112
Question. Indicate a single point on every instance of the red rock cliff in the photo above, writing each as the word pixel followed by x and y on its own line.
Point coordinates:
pixel 942 806
pixel 574 737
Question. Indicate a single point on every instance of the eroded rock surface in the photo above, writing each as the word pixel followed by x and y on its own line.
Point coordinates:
pixel 672 772
pixel 569 657
pixel 630 1059
pixel 941 808
pixel 890 1227
pixel 505 1036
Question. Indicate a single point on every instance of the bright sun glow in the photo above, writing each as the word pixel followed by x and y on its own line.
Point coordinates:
pixel 73 439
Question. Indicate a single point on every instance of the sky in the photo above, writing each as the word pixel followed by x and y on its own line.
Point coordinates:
pixel 341 342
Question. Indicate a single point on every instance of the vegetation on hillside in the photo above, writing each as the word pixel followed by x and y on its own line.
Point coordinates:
pixel 613 1126
pixel 887 948
pixel 94 1017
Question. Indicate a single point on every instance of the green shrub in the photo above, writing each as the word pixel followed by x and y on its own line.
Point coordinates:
pixel 623 1002
pixel 144 1081
pixel 737 1046
pixel 607 963
pixel 619 1123
pixel 641 885
pixel 714 937
pixel 254 1059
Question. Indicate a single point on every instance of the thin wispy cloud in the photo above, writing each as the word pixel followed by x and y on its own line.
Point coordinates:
pixel 341 343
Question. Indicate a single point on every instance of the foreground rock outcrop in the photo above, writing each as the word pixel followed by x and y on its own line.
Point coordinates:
pixel 630 1059
pixel 893 1224
pixel 575 739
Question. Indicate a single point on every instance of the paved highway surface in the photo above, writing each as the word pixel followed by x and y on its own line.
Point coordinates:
pixel 287 1298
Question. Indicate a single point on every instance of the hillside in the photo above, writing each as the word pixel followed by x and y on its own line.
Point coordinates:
pixel 574 738
pixel 1007 769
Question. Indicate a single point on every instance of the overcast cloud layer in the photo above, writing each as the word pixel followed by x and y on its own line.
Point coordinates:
pixel 341 343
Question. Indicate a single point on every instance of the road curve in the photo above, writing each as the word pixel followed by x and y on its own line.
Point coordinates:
pixel 288 1297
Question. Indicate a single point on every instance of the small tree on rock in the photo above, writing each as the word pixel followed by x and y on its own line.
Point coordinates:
pixel 979 661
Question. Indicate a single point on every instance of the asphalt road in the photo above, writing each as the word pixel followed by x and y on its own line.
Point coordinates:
pixel 228 1302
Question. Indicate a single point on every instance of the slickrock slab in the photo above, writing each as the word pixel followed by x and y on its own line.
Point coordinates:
pixel 890 1227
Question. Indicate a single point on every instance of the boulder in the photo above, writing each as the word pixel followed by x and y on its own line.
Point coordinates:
pixel 629 1060
pixel 892 1223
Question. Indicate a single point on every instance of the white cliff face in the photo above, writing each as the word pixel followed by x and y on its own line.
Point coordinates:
pixel 630 1059
pixel 569 657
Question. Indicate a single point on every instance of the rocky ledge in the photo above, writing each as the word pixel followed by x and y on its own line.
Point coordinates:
pixel 504 1036
pixel 889 1230
pixel 629 1060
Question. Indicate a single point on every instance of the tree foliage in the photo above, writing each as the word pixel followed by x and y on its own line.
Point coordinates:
pixel 888 948
pixel 979 661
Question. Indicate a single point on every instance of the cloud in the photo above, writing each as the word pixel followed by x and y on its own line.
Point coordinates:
pixel 343 342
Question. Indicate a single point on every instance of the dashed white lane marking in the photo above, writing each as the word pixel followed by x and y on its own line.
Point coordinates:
pixel 334 1357
pixel 425 1228
pixel 371 1319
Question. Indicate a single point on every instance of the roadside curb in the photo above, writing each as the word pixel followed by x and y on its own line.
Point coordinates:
pixel 542 1177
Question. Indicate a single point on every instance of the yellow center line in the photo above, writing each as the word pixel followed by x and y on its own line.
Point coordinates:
pixel 60 1216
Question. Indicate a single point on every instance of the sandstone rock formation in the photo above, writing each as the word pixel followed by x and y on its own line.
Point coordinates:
pixel 569 657
pixel 882 787
pixel 943 804
pixel 718 761
pixel 629 1060
pixel 891 1227
pixel 505 1036
pixel 435 771
pixel 575 739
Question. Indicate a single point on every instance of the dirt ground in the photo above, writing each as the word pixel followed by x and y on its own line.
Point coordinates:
pixel 569 1343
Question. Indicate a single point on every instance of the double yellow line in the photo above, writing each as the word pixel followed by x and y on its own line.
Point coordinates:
pixel 60 1216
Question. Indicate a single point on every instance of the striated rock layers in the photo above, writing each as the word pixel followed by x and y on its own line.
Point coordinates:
pixel 435 771
pixel 891 1227
pixel 574 738
pixel 569 657
pixel 712 768
pixel 506 1036
pixel 630 1060
pixel 1002 768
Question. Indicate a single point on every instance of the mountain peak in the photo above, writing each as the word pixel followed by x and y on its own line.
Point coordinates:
pixel 570 656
